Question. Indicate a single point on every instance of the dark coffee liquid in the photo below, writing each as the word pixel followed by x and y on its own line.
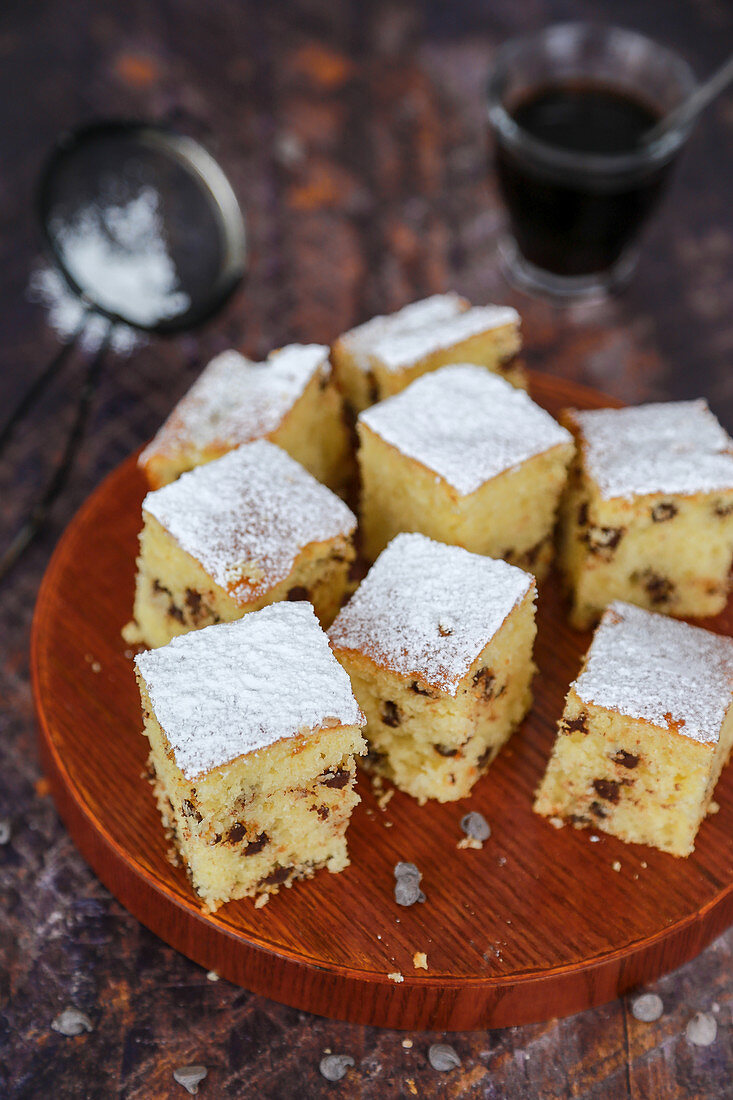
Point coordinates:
pixel 571 222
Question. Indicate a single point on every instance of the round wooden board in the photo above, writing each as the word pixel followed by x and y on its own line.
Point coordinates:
pixel 535 925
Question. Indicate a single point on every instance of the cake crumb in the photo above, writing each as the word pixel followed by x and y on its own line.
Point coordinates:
pixel 95 666
pixel 212 975
pixel 420 960
pixel 644 864
pixel 396 977
pixel 713 808
pixel 384 798
pixel 470 842
pixel 594 839
pixel 616 865
pixel 388 824
pixel 42 787
pixel 411 1086
pixel 407 1044
pixel 262 899
pixel 557 822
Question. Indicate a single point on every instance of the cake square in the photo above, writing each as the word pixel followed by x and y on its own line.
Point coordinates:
pixel 646 731
pixel 382 356
pixel 463 457
pixel 227 538
pixel 290 399
pixel 252 728
pixel 438 644
pixel 648 515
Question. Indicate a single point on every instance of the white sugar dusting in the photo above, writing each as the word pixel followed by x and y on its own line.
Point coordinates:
pixel 672 447
pixel 427 610
pixel 465 424
pixel 425 314
pixel 666 672
pixel 247 516
pixel 236 688
pixel 402 350
pixel 235 400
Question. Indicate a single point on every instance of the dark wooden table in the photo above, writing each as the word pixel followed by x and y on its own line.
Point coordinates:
pixel 353 133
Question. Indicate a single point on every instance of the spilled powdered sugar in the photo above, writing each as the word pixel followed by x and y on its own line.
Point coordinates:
pixel 116 251
pixel 651 667
pixel 672 447
pixel 247 516
pixel 235 401
pixel 235 688
pixel 413 589
pixel 465 424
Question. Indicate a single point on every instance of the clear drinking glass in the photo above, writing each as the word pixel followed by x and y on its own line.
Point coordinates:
pixel 575 208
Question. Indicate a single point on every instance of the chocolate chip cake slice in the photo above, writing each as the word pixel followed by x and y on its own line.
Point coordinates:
pixel 234 535
pixel 438 644
pixel 290 399
pixel 648 515
pixel 253 729
pixel 382 356
pixel 647 729
pixel 467 459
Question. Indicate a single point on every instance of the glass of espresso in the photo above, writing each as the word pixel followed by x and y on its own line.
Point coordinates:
pixel 568 111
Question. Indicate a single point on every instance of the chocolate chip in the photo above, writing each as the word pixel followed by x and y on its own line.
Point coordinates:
pixel 583 513
pixel 337 779
pixel 664 511
pixel 445 630
pixel 627 759
pixel 276 877
pixel 484 680
pixel 390 714
pixel 658 588
pixel 581 819
pixel 597 809
pixel 323 812
pixel 373 757
pixel 722 509
pixel 257 844
pixel 160 588
pixel 443 1057
pixel 237 832
pixel 193 601
pixel 188 808
pixel 176 613
pixel 443 750
pixel 334 1066
pixel 508 361
pixel 298 592
pixel 571 725
pixel 487 755
pixel 414 686
pixel 607 788
pixel 603 539
pixel 530 556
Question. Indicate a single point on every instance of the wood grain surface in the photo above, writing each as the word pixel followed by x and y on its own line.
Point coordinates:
pixel 354 134
pixel 536 925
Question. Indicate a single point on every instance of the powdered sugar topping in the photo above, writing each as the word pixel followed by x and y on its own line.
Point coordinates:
pixel 648 666
pixel 673 447
pixel 465 424
pixel 236 688
pixel 247 516
pixel 235 400
pixel 397 351
pixel 427 610
pixel 360 341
